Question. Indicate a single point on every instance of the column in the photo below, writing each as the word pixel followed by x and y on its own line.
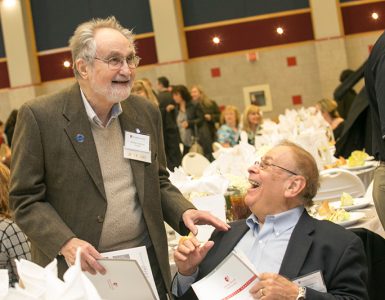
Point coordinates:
pixel 20 49
pixel 167 21
pixel 330 44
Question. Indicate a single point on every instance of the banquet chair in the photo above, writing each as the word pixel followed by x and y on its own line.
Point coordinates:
pixel 374 246
pixel 333 182
pixel 194 164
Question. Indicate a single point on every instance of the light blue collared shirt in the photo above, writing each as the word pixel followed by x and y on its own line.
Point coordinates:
pixel 116 110
pixel 264 246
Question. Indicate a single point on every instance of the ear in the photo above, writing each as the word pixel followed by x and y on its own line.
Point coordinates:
pixel 295 186
pixel 82 67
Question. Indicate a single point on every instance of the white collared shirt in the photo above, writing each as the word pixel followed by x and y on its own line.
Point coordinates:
pixel 116 110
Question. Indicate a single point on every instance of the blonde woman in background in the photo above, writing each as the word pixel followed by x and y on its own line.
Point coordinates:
pixel 141 88
pixel 13 242
pixel 328 109
pixel 209 107
pixel 228 133
pixel 252 122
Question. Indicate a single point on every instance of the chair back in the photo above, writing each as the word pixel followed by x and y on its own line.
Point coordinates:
pixel 333 182
pixel 374 246
pixel 194 164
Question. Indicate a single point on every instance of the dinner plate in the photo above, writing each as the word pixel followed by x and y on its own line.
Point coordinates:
pixel 367 164
pixel 369 158
pixel 357 203
pixel 355 216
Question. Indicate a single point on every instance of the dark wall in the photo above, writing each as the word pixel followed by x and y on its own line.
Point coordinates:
pixel 56 20
pixel 197 12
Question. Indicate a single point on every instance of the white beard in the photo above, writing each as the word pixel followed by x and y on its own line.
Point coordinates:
pixel 113 94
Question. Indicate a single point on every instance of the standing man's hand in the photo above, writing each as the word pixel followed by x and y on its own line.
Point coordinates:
pixel 192 217
pixel 88 255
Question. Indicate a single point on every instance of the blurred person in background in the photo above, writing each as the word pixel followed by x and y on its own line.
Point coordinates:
pixel 170 128
pixel 10 126
pixel 328 109
pixel 190 121
pixel 228 133
pixel 345 100
pixel 252 122
pixel 141 88
pixel 13 242
pixel 5 151
pixel 210 109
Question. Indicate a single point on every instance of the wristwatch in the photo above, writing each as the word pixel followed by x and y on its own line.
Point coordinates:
pixel 301 293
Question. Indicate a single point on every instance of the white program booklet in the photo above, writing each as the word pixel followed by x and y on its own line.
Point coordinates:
pixel 127 274
pixel 231 279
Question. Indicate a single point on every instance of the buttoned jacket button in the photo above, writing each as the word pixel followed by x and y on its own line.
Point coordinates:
pixel 100 219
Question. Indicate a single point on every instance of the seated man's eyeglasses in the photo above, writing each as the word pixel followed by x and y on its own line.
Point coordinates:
pixel 116 62
pixel 263 164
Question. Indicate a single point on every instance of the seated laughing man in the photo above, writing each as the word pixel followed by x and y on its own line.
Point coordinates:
pixel 280 239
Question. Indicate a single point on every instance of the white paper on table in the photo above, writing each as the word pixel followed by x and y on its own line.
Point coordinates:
pixel 140 255
pixel 231 279
pixel 124 278
pixel 215 204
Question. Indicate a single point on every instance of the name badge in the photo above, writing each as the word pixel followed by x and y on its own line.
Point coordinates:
pixel 137 147
pixel 137 141
pixel 313 280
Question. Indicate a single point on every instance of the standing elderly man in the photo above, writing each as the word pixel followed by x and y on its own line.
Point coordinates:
pixel 281 240
pixel 72 183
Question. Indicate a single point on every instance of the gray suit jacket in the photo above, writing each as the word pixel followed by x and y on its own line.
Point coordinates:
pixel 314 246
pixel 57 190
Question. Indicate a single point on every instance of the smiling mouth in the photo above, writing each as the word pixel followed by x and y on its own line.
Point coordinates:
pixel 121 81
pixel 254 184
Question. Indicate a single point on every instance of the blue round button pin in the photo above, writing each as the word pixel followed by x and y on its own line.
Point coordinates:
pixel 80 138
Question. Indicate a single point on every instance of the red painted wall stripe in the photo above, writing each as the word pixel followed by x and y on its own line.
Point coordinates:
pixel 249 35
pixel 358 18
pixel 4 77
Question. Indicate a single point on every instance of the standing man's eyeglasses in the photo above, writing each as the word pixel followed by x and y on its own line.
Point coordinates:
pixel 116 62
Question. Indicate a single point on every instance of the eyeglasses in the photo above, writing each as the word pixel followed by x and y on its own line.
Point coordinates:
pixel 264 165
pixel 116 62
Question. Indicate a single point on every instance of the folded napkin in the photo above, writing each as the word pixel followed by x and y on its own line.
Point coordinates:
pixel 38 283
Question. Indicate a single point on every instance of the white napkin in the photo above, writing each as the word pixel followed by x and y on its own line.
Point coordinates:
pixel 43 283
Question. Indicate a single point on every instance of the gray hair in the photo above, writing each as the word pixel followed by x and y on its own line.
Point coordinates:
pixel 82 43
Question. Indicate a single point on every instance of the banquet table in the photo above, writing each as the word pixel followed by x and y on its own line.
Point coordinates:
pixel 371 221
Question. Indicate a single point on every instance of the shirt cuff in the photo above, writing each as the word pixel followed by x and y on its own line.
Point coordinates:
pixel 182 283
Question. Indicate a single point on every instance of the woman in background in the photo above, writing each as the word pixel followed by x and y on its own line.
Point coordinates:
pixel 252 122
pixel 209 107
pixel 190 121
pixel 13 242
pixel 328 109
pixel 228 133
pixel 142 88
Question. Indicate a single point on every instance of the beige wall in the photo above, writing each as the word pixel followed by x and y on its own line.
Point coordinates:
pixel 315 76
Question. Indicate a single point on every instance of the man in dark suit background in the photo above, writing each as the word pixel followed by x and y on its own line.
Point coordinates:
pixel 171 135
pixel 375 87
pixel 280 239
pixel 73 186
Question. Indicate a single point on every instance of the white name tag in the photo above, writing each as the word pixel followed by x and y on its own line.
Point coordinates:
pixel 313 281
pixel 136 141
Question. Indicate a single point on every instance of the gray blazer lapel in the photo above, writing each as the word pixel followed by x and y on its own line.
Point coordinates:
pixel 298 247
pixel 129 121
pixel 79 129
